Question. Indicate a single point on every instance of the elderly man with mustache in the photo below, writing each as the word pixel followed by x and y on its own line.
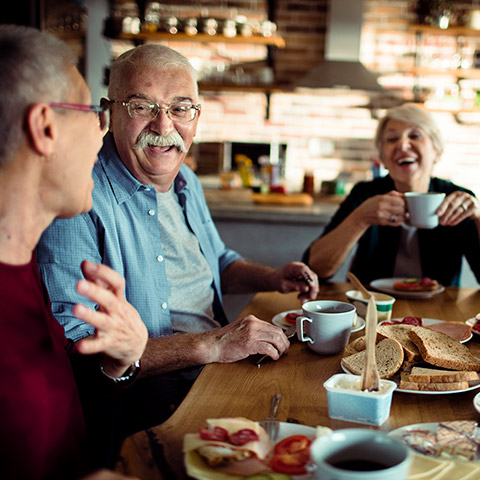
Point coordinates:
pixel 150 222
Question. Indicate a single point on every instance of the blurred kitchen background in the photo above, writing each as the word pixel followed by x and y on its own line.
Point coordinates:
pixel 291 91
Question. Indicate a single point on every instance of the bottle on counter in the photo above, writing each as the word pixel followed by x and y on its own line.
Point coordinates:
pixel 309 182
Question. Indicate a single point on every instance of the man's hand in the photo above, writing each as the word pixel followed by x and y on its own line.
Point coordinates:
pixel 246 336
pixel 297 277
pixel 119 331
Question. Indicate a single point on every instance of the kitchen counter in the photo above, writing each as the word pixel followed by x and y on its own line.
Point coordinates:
pixel 240 205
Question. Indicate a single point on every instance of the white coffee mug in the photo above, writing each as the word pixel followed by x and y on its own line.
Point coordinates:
pixel 360 454
pixel 326 325
pixel 422 208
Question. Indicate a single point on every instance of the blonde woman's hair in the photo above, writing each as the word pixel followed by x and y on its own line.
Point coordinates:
pixel 411 113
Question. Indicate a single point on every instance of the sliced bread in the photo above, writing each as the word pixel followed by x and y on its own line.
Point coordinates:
pixel 388 354
pixel 433 387
pixel 433 375
pixel 355 346
pixel 443 351
pixel 399 332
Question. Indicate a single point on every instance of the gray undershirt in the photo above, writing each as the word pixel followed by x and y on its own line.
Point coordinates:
pixel 407 262
pixel 189 276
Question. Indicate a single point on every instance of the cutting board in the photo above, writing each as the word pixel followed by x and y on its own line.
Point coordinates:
pixel 282 198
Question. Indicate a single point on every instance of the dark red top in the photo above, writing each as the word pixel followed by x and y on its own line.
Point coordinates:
pixel 42 432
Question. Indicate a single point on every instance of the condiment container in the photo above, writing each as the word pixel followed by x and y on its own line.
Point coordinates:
pixel 383 301
pixel 347 402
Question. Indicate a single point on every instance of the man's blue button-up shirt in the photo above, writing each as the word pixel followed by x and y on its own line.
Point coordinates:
pixel 122 232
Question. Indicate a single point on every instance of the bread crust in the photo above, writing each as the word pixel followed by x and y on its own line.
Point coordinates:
pixel 432 375
pixel 433 387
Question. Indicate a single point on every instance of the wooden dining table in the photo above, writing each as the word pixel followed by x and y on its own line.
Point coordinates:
pixel 242 389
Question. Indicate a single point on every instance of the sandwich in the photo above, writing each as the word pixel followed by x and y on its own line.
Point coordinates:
pixel 417 285
pixel 235 446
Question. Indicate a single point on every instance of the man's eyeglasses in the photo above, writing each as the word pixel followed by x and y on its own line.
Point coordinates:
pixel 100 110
pixel 148 110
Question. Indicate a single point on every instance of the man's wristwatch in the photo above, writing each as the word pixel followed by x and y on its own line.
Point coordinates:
pixel 129 375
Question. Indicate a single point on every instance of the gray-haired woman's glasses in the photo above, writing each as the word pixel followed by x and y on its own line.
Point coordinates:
pixel 148 110
pixel 100 110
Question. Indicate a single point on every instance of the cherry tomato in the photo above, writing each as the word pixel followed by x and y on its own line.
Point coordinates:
pixel 291 318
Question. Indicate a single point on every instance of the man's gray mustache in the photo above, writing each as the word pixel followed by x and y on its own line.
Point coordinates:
pixel 172 139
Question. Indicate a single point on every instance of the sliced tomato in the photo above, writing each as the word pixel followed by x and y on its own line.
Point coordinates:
pixel 287 463
pixel 291 318
pixel 292 444
pixel 291 455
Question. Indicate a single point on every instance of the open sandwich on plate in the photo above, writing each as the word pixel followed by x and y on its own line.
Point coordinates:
pixel 238 447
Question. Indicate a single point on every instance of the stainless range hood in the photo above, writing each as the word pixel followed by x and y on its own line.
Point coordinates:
pixel 342 67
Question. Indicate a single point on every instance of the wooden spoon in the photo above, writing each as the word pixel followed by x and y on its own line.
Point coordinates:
pixel 370 379
pixel 358 285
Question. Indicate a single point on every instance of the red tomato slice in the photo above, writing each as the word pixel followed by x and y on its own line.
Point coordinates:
pixel 291 318
pixel 291 455
pixel 290 464
pixel 292 444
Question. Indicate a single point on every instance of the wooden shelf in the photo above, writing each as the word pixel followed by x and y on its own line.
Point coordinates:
pixel 456 31
pixel 457 72
pixel 275 40
pixel 226 87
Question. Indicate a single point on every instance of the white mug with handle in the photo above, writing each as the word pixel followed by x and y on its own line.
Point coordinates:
pixel 326 325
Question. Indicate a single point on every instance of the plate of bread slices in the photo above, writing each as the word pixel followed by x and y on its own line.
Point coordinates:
pixel 410 288
pixel 420 360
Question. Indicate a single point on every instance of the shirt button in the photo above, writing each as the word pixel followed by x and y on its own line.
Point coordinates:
pixel 151 212
pixel 147 189
pixel 164 305
pixel 160 258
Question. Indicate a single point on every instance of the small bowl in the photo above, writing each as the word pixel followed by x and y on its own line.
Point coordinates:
pixel 383 301
pixel 347 402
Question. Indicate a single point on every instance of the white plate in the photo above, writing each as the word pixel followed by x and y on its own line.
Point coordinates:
pixel 476 402
pixel 386 285
pixel 286 430
pixel 279 320
pixel 396 379
pixel 431 321
pixel 430 427
pixel 472 321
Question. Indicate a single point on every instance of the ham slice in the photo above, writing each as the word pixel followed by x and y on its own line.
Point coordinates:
pixel 457 330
